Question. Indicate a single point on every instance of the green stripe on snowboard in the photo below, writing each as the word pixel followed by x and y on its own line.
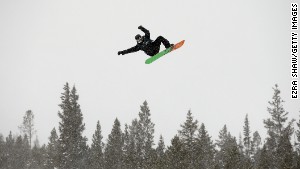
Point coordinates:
pixel 160 54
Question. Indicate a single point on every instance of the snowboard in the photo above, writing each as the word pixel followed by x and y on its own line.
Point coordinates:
pixel 162 53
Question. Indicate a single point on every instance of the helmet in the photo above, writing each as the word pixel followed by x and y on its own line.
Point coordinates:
pixel 138 38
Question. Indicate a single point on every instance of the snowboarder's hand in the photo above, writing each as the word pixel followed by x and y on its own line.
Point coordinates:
pixel 140 27
pixel 120 53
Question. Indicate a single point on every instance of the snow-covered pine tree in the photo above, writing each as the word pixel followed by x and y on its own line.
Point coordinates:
pixel 232 155
pixel 52 156
pixel 160 154
pixel 265 161
pixel 126 149
pixel 27 126
pixel 145 138
pixel 255 148
pixel 96 152
pixel 245 161
pixel 276 126
pixel 247 153
pixel 38 156
pixel 247 137
pixel 176 154
pixel 43 152
pixel 205 150
pixel 285 149
pixel 26 150
pixel 228 155
pixel 241 145
pixel 113 151
pixel 19 161
pixel 72 145
pixel 20 154
pixel 276 123
pixel 187 135
pixel 35 155
pixel 220 154
pixel 9 151
pixel 130 157
pixel 223 135
pixel 256 142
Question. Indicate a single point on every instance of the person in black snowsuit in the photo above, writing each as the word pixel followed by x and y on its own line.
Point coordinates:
pixel 147 45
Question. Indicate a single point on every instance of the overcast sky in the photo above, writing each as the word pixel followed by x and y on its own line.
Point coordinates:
pixel 235 52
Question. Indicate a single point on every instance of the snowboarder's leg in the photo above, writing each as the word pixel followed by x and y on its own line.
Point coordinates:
pixel 163 40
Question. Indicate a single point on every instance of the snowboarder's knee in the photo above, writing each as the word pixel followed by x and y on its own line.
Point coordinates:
pixel 160 37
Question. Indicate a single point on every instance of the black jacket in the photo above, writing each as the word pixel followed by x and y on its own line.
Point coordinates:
pixel 145 45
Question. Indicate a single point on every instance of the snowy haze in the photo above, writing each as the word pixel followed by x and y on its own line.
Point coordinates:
pixel 235 52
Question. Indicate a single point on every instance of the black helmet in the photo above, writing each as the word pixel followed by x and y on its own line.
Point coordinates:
pixel 137 37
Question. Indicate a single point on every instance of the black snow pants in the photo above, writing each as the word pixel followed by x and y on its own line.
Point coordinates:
pixel 155 45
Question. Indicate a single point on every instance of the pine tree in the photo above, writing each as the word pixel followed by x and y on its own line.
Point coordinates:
pixel 205 150
pixel 52 156
pixel 232 155
pixel 35 154
pixel 255 146
pixel 160 154
pixel 38 156
pixel 245 161
pixel 223 135
pixel 176 155
pixel 265 161
pixel 276 125
pixel 113 151
pixel 19 153
pixel 26 151
pixel 72 145
pixel 97 161
pixel 145 138
pixel 84 154
pixel 19 160
pixel 126 161
pixel 27 126
pixel 256 142
pixel 10 154
pixel 247 137
pixel 271 146
pixel 228 155
pixel 42 159
pixel 188 136
pixel 241 145
pixel 247 144
pixel 130 157
pixel 285 149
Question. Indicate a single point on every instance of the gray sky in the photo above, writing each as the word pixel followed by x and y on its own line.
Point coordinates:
pixel 235 52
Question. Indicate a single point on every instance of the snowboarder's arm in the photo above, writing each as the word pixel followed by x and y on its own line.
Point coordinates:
pixel 130 50
pixel 147 33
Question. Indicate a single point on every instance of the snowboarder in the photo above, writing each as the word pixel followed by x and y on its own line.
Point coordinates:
pixel 145 44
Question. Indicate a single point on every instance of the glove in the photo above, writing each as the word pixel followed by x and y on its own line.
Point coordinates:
pixel 120 53
pixel 140 27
